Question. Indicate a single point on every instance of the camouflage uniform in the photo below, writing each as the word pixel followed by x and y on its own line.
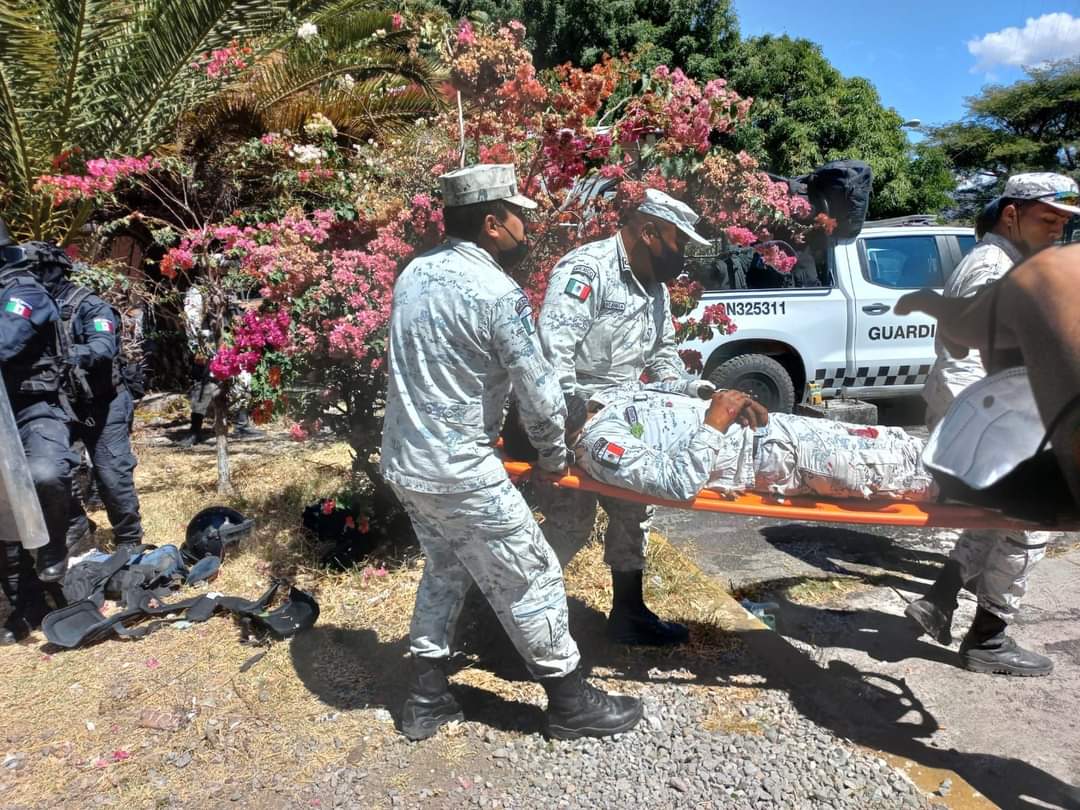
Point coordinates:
pixel 461 332
pixel 654 442
pixel 599 327
pixel 996 564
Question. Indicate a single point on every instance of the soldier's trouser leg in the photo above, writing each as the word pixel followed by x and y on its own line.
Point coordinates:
pixel 109 444
pixel 46 439
pixel 489 536
pixel 997 564
pixel 569 519
pixel 627 537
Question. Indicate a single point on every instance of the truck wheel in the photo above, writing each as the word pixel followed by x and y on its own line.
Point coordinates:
pixel 762 377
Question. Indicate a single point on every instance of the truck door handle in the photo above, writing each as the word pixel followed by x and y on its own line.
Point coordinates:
pixel 875 309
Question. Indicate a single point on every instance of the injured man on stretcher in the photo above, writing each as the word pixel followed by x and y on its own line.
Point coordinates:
pixel 654 440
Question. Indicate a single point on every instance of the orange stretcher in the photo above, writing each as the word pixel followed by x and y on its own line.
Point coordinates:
pixel 878 512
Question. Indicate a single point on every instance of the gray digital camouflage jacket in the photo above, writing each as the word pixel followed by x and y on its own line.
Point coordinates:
pixel 461 333
pixel 599 326
pixel 653 439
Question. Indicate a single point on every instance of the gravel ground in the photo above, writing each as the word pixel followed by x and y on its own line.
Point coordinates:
pixel 764 756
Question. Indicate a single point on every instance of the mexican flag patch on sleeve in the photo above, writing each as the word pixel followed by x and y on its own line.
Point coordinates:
pixel 103 325
pixel 610 454
pixel 16 306
pixel 576 288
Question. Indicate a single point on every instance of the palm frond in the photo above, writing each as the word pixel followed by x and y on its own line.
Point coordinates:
pixel 89 33
pixel 27 63
pixel 152 87
pixel 277 80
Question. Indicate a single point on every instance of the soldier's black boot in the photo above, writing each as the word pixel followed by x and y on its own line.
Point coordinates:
pixel 244 428
pixel 576 709
pixel 52 561
pixel 631 622
pixel 430 703
pixel 195 434
pixel 986 648
pixel 934 612
pixel 23 590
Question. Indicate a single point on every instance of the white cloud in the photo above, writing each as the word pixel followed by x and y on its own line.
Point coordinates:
pixel 1042 39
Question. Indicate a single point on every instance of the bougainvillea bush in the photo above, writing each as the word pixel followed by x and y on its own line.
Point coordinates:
pixel 586 144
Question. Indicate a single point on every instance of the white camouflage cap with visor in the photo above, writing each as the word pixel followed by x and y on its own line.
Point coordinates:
pixel 484 182
pixel 682 216
pixel 1055 190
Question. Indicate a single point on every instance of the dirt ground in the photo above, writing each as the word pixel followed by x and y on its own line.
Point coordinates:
pixel 193 717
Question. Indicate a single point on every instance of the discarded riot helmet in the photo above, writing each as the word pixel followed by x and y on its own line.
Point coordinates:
pixel 212 531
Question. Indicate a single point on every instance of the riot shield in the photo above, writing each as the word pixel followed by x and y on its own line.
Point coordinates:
pixel 21 520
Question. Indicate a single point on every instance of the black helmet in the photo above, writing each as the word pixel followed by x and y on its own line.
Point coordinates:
pixel 45 261
pixel 212 531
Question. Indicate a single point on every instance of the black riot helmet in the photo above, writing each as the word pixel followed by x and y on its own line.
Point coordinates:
pixel 212 531
pixel 46 262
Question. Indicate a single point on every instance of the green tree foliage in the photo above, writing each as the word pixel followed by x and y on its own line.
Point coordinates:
pixel 806 113
pixel 1033 124
pixel 699 36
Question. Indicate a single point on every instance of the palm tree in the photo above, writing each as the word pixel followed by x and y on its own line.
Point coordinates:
pixel 359 72
pixel 116 77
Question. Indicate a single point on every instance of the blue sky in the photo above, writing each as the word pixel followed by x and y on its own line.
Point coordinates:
pixel 916 52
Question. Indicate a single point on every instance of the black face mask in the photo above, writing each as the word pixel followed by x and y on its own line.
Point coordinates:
pixel 669 265
pixel 512 258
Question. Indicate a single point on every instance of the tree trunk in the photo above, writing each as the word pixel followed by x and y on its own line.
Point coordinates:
pixel 221 428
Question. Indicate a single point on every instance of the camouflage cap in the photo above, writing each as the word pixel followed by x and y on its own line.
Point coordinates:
pixel 484 182
pixel 664 206
pixel 1055 190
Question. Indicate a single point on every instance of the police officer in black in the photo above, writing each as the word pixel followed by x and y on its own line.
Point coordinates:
pixel 99 387
pixel 33 371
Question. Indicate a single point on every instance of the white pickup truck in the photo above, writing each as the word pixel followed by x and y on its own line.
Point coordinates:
pixel 844 335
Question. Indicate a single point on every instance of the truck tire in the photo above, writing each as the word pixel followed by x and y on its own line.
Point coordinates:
pixel 761 376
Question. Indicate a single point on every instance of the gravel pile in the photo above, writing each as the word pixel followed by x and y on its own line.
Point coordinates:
pixel 670 760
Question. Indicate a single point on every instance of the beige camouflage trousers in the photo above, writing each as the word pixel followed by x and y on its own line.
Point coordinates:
pixel 569 518
pixel 996 566
pixel 488 536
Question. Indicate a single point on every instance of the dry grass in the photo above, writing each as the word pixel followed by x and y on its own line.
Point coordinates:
pixel 74 717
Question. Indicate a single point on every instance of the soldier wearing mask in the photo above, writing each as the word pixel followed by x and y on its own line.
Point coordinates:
pixel 1029 216
pixel 461 333
pixel 606 320
pixel 104 403
pixel 33 371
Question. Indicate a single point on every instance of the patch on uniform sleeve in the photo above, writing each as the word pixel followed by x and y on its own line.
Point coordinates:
pixel 16 306
pixel 608 453
pixel 584 270
pixel 525 315
pixel 631 415
pixel 103 325
pixel 576 288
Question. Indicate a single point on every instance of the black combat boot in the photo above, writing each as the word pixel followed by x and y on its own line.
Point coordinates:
pixel 430 703
pixel 195 434
pixel 52 561
pixel 631 622
pixel 934 612
pixel 986 648
pixel 82 532
pixel 576 708
pixel 23 590
pixel 244 428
